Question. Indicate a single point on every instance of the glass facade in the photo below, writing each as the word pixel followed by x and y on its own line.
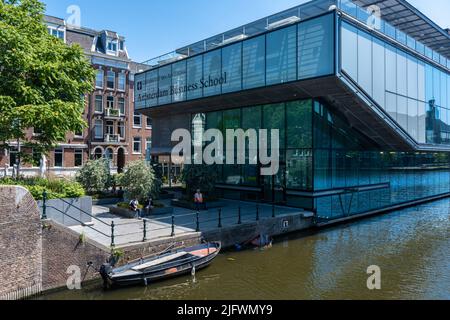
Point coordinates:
pixel 415 93
pixel 325 165
pixel 300 51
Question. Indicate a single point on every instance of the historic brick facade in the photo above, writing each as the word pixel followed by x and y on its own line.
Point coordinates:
pixel 112 130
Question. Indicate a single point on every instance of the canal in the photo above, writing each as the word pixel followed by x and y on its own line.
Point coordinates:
pixel 411 246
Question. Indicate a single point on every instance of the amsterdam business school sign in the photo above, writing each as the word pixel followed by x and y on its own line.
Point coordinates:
pixel 177 89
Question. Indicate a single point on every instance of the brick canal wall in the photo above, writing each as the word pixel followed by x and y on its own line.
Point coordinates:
pixel 63 248
pixel 35 255
pixel 20 244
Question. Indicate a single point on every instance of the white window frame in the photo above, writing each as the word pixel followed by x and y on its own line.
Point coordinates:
pixel 112 42
pixel 109 101
pixel 107 80
pixel 140 121
pixel 95 129
pixel 119 126
pixel 149 127
pixel 140 145
pixel 74 158
pixel 51 29
pixel 95 104
pixel 124 76
pixel 124 106
pixel 54 158
pixel 102 72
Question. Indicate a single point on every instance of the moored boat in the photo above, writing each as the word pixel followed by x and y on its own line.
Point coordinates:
pixel 164 266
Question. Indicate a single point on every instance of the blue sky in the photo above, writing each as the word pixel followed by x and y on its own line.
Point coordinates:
pixel 156 27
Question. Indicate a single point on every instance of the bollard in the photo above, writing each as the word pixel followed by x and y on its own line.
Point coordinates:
pixel 197 229
pixel 44 205
pixel 257 212
pixel 145 231
pixel 173 226
pixel 112 235
pixel 239 216
pixel 220 218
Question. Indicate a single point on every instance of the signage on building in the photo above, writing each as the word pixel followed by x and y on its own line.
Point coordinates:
pixel 174 85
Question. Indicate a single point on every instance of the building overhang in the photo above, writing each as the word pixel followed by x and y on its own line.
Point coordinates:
pixel 402 15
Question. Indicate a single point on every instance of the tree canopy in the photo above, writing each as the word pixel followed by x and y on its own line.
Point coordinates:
pixel 42 80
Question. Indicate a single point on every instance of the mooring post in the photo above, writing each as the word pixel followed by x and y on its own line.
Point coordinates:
pixel 197 229
pixel 112 235
pixel 220 218
pixel 239 215
pixel 145 230
pixel 173 226
pixel 257 212
pixel 44 205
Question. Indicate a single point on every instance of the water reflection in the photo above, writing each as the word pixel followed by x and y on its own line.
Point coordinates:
pixel 412 248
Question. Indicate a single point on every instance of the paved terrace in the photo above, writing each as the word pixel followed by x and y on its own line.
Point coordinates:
pixel 131 231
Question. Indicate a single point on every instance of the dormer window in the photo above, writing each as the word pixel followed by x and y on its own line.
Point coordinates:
pixel 57 32
pixel 112 46
pixel 121 45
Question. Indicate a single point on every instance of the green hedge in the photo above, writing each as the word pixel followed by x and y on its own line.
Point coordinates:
pixel 56 188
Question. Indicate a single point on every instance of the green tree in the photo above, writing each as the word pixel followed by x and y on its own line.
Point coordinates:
pixel 95 176
pixel 201 177
pixel 139 181
pixel 42 80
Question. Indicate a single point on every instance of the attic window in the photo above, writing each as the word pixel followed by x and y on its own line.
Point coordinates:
pixel 121 45
pixel 112 46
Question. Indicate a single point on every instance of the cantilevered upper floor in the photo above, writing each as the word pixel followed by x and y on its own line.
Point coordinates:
pixel 388 77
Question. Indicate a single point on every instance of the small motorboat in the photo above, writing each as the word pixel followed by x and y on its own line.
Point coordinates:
pixel 160 267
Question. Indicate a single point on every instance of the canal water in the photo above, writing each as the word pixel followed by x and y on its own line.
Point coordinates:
pixel 411 247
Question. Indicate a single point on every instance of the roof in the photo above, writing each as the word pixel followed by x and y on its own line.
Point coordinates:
pixel 404 16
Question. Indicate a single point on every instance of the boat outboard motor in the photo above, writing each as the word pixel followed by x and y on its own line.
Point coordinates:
pixel 104 271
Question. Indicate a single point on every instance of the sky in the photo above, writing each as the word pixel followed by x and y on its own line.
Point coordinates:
pixel 156 27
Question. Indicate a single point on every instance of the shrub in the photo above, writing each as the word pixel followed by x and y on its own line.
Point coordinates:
pixel 95 176
pixel 139 181
pixel 56 188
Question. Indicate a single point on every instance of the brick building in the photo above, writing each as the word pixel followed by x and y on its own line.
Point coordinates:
pixel 114 130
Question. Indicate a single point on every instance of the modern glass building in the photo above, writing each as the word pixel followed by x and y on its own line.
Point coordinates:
pixel 362 104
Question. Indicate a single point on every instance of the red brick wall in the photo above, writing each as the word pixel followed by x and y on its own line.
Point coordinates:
pixel 20 240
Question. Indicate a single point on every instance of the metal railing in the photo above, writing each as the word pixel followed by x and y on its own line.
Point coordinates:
pixel 170 225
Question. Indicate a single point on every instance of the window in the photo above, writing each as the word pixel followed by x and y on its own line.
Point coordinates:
pixel 194 74
pixel 137 148
pixel 110 127
pixel 281 58
pixel 98 104
pixel 212 69
pixel 59 155
pixel 137 122
pixel 231 64
pixel 78 134
pixel 98 153
pixel 121 130
pixel 121 45
pixel 110 102
pixel 58 33
pixel 98 129
pixel 111 80
pixel 165 84
pixel 109 155
pixel 78 158
pixel 122 81
pixel 178 80
pixel 12 156
pixel 99 79
pixel 149 123
pixel 121 102
pixel 112 46
pixel 253 62
pixel 315 43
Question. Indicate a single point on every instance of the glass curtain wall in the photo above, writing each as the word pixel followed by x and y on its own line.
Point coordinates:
pixel 301 51
pixel 345 162
pixel 414 93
